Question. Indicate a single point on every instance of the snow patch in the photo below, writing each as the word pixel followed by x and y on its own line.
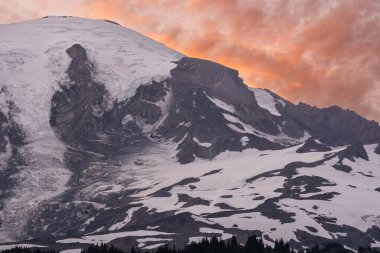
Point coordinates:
pixel 127 119
pixel 221 104
pixel 203 144
pixel 106 238
pixel 126 220
pixel 244 141
pixel 71 251
pixel 266 101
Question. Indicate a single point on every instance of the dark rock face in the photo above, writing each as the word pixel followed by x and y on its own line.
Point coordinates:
pixel 377 150
pixel 312 146
pixel 190 201
pixel 194 118
pixel 77 110
pixel 84 116
pixel 343 168
pixel 10 131
pixel 333 126
pixel 293 129
pixel 12 137
pixel 3 141
pixel 353 151
pixel 200 76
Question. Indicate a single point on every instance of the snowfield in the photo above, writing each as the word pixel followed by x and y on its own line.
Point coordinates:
pixel 229 175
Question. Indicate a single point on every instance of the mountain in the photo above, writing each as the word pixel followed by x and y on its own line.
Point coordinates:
pixel 109 136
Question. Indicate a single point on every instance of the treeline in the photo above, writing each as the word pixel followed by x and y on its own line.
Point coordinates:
pixel 214 245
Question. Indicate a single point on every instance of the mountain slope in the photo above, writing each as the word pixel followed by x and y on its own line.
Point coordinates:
pixel 110 136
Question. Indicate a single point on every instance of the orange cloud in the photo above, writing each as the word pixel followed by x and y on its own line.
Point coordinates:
pixel 322 52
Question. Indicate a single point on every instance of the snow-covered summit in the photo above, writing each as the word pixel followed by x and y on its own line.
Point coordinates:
pixel 33 62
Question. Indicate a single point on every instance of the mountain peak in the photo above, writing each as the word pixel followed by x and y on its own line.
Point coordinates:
pixel 107 134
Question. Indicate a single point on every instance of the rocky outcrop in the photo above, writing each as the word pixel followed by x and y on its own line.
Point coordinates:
pixel 333 126
pixel 84 116
pixel 11 133
pixel 203 128
pixel 353 151
pixel 312 146
pixel 377 150
pixel 77 110
pixel 195 75
pixel 3 141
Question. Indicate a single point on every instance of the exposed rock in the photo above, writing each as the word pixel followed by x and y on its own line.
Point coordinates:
pixel 333 126
pixel 83 115
pixel 312 229
pixel 272 210
pixel 77 110
pixel 306 238
pixel 194 115
pixel 165 192
pixel 3 141
pixel 312 146
pixel 353 151
pixel 190 201
pixel 225 206
pixel 377 150
pixel 374 231
pixel 211 173
pixel 343 168
pixel 226 196
pixel 293 129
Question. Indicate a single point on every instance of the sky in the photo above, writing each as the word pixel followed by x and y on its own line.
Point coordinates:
pixel 321 52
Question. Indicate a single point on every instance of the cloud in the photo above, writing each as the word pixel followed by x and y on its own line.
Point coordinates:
pixel 323 52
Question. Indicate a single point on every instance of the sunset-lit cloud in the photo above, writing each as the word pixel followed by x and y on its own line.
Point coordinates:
pixel 322 52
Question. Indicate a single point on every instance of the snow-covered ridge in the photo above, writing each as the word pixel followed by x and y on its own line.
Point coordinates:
pixel 33 61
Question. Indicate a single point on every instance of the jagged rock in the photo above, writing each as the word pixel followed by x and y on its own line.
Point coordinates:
pixel 3 141
pixel 353 151
pixel 377 150
pixel 81 111
pixel 333 126
pixel 199 124
pixel 77 110
pixel 292 129
pixel 343 168
pixel 201 76
pixel 312 146
pixel 144 105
